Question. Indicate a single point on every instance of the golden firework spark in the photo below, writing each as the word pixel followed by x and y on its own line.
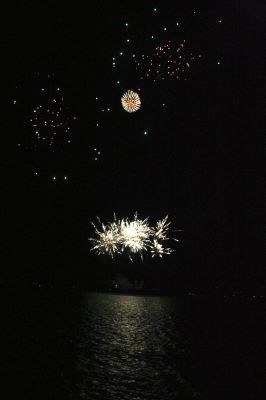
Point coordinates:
pixel 130 101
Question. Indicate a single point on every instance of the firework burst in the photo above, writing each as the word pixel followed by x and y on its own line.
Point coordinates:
pixel 107 239
pixel 130 101
pixel 157 249
pixel 161 229
pixel 131 237
pixel 134 235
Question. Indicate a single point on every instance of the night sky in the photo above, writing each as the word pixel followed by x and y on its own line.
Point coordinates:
pixel 192 151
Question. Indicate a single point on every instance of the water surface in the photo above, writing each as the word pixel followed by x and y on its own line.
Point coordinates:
pixel 63 345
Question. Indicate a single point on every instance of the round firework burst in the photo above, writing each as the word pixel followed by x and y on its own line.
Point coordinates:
pixel 130 101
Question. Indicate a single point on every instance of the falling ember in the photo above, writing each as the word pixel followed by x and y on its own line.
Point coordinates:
pixel 131 237
pixel 130 101
pixel 167 61
pixel 50 119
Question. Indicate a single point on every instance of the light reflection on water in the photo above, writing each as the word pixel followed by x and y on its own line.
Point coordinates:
pixel 129 347
pixel 60 345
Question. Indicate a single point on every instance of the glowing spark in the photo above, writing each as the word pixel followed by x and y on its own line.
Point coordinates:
pixel 166 61
pixel 130 101
pixel 50 119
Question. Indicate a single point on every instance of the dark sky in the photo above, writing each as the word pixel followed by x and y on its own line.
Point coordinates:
pixel 201 161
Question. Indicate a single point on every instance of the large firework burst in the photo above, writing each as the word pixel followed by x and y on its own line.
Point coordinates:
pixel 130 101
pixel 131 237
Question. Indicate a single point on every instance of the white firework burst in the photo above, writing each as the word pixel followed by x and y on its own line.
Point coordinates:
pixel 131 237
pixel 130 101
pixel 161 229
pixel 135 235
pixel 157 249
pixel 107 239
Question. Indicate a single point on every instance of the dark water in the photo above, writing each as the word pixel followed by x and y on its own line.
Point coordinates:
pixel 106 346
